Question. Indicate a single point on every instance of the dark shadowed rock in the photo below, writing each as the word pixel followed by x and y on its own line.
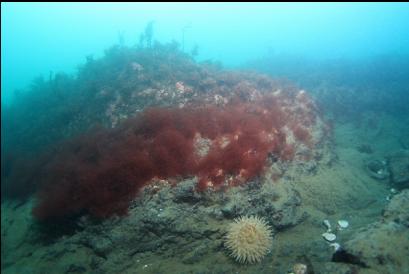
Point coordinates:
pixel 399 167
pixel 383 245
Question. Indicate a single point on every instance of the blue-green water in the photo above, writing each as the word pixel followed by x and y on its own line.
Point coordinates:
pixel 39 38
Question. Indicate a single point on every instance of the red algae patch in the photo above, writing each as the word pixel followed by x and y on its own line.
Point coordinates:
pixel 101 172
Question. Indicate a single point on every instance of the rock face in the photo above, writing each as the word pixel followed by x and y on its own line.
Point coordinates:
pixel 177 220
pixel 393 169
pixel 383 245
pixel 225 133
pixel 378 169
pixel 101 172
pixel 399 168
pixel 186 149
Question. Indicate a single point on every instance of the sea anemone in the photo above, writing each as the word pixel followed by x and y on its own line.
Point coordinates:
pixel 248 239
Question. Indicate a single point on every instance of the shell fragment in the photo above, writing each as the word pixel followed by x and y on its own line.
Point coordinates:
pixel 336 246
pixel 342 224
pixel 329 236
pixel 327 225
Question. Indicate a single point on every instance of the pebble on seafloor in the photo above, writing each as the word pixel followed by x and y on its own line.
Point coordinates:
pixel 342 224
pixel 329 236
pixel 327 225
pixel 336 246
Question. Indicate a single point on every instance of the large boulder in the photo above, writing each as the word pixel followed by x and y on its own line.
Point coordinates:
pixel 382 246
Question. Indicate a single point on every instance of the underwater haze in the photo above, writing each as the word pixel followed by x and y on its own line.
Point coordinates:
pixel 39 38
pixel 205 138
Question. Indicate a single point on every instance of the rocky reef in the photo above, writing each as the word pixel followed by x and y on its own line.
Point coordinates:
pixel 166 118
pixel 147 153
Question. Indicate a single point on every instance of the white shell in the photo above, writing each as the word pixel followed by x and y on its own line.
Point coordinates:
pixel 336 246
pixel 327 225
pixel 329 236
pixel 343 224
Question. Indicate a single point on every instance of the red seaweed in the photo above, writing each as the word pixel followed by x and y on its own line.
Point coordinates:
pixel 101 172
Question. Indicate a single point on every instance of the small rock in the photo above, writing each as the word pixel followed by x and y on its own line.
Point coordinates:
pixel 329 236
pixel 342 224
pixel 336 246
pixel 377 169
pixel 327 224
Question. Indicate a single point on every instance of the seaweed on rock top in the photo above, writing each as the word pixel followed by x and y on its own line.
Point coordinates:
pixel 101 172
pixel 165 117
